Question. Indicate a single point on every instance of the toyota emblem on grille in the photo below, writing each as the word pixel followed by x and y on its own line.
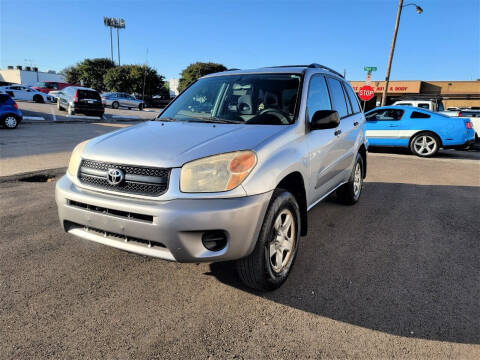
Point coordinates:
pixel 115 176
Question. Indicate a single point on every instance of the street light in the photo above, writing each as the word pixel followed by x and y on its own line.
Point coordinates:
pixel 392 49
pixel 117 24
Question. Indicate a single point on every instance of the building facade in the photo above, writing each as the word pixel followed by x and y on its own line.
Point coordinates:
pixel 452 93
pixel 29 77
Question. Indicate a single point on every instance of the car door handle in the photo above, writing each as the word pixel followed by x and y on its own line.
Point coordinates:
pixel 338 132
pixel 392 125
pixel 355 123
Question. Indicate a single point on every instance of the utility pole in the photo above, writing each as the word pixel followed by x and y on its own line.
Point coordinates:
pixel 118 46
pixel 117 24
pixel 392 48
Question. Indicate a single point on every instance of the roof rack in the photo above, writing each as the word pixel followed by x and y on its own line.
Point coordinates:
pixel 313 65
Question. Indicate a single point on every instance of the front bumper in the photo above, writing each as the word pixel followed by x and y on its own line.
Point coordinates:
pixel 170 230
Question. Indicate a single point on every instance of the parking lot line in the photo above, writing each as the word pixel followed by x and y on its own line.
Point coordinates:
pixel 34 118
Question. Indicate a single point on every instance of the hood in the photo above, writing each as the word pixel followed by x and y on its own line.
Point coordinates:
pixel 172 144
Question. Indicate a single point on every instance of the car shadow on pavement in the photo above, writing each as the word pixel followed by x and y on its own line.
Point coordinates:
pixel 409 268
pixel 472 153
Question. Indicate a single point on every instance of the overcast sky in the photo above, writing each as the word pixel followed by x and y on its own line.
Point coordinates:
pixel 440 44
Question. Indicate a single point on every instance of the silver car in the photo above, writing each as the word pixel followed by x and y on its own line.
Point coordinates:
pixel 228 171
pixel 116 100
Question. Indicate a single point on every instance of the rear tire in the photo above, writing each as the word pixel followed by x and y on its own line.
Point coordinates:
pixel 425 144
pixel 70 111
pixel 140 107
pixel 350 192
pixel 269 265
pixel 38 99
pixel 115 105
pixel 10 122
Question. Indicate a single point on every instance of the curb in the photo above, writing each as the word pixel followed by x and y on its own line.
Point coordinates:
pixel 47 172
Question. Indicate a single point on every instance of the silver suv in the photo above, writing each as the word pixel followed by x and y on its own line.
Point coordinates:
pixel 227 171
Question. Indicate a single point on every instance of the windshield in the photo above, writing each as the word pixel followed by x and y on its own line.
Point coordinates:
pixel 267 99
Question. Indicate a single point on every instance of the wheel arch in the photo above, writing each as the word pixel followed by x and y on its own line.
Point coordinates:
pixel 362 150
pixel 426 132
pixel 295 184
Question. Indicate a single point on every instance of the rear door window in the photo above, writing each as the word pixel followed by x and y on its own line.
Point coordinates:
pixel 337 97
pixel 353 99
pixel 423 106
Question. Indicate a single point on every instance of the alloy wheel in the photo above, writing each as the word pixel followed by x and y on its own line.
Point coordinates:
pixel 10 122
pixel 281 247
pixel 357 179
pixel 425 145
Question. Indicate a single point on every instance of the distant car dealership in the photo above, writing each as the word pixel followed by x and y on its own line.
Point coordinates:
pixel 452 93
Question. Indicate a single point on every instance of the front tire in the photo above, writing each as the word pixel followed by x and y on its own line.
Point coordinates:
pixel 141 107
pixel 425 144
pixel 10 122
pixel 269 265
pixel 350 192
pixel 59 107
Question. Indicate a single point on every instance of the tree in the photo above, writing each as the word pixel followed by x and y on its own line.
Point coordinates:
pixel 131 79
pixel 196 70
pixel 90 72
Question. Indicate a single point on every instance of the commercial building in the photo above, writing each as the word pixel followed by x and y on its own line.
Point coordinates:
pixel 452 93
pixel 28 76
pixel 173 86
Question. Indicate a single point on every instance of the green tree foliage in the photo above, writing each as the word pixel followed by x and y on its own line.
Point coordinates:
pixel 131 78
pixel 196 70
pixel 90 72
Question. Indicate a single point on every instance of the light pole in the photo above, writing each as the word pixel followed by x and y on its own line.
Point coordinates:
pixel 392 49
pixel 117 24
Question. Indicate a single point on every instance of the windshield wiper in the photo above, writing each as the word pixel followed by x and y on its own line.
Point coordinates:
pixel 166 119
pixel 215 120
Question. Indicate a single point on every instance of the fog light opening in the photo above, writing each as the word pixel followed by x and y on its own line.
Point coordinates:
pixel 214 240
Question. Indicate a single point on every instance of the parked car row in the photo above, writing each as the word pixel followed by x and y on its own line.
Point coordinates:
pixel 26 93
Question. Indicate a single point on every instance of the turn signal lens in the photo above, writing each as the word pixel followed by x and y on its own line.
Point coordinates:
pixel 217 173
pixel 76 158
pixel 469 125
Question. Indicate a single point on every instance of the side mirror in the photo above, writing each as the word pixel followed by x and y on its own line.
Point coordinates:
pixel 324 119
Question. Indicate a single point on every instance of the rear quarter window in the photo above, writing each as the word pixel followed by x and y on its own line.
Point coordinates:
pixel 419 115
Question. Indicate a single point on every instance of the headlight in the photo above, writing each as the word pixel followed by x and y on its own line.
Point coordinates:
pixel 217 173
pixel 76 158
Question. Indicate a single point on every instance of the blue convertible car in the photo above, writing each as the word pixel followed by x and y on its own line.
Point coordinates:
pixel 422 131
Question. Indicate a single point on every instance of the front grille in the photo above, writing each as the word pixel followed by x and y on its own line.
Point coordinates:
pixel 111 212
pixel 147 181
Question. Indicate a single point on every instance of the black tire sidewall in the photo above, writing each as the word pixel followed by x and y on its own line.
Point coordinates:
pixel 115 105
pixel 283 200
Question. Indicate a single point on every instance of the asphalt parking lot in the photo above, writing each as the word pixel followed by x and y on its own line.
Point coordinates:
pixel 396 276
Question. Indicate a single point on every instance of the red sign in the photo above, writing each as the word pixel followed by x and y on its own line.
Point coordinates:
pixel 366 93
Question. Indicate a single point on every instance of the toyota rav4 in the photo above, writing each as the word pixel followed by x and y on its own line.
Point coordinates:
pixel 228 171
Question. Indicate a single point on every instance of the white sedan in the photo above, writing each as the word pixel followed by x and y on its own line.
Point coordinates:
pixel 21 92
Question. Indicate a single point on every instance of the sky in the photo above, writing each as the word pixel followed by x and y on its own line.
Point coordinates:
pixel 442 43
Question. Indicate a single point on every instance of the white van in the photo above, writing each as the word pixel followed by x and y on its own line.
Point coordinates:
pixel 423 104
